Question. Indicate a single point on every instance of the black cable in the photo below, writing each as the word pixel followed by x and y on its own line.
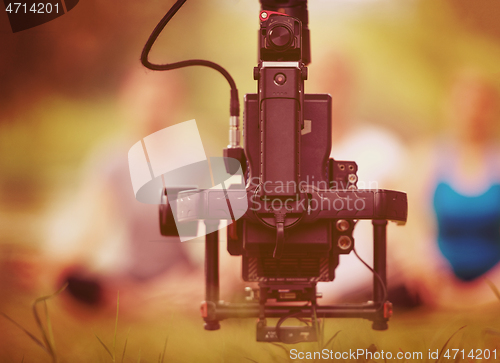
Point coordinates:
pixel 234 107
pixel 378 277
pixel 280 234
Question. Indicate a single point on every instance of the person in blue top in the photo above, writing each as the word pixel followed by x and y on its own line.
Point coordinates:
pixel 468 228
pixel 466 198
pixel 453 239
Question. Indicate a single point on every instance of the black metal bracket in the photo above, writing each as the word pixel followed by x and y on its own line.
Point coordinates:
pixel 213 311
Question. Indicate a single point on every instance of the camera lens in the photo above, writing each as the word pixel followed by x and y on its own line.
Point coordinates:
pixel 280 36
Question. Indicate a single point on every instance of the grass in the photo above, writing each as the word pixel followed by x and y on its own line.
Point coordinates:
pixel 47 343
pixel 112 352
pixel 144 339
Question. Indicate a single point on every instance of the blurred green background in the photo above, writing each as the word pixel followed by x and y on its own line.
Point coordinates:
pixel 62 84
pixel 60 81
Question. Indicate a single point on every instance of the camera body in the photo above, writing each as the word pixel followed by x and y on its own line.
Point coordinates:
pixel 287 137
pixel 311 252
pixel 302 204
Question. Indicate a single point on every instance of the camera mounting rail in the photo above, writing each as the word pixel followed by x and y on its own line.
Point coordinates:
pixel 215 204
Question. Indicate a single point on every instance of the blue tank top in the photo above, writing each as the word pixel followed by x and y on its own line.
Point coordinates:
pixel 468 229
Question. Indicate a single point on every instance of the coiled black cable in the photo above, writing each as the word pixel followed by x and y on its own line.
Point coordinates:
pixel 234 107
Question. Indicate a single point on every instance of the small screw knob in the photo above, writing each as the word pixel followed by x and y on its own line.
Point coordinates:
pixel 303 73
pixel 344 242
pixel 280 79
pixel 256 73
pixel 342 225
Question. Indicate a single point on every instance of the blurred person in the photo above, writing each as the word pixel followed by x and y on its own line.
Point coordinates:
pixel 111 242
pixel 455 191
pixel 379 154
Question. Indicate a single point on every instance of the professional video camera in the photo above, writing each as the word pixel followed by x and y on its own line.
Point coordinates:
pixel 302 204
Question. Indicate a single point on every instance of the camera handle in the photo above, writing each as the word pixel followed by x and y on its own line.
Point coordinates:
pixel 211 276
pixel 380 268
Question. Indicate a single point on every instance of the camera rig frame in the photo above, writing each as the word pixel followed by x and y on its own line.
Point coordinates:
pixel 302 221
pixel 380 206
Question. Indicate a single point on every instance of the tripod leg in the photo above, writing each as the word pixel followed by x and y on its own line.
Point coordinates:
pixel 380 267
pixel 211 278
